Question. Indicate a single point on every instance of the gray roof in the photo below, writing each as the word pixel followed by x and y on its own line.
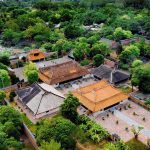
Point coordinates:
pixel 40 98
pixel 119 76
pixel 104 72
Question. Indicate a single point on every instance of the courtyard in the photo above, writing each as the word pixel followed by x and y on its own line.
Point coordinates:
pixel 121 118
pixel 64 88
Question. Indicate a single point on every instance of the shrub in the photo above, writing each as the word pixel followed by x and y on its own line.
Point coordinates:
pixel 85 62
pixel 147 102
pixel 94 131
pixel 11 96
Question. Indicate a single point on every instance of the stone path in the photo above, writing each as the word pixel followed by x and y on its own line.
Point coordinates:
pixel 129 121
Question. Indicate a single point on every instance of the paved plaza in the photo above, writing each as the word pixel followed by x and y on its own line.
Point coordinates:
pixel 76 84
pixel 121 122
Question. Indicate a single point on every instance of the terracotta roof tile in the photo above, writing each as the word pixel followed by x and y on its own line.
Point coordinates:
pixel 35 55
pixel 62 72
pixel 99 95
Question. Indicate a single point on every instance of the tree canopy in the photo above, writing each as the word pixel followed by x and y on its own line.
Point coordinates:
pixel 140 75
pixel 2 96
pixel 31 72
pixel 59 129
pixel 69 108
pixel 4 78
pixel 10 128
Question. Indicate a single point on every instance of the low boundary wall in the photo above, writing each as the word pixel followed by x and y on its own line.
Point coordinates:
pixel 137 101
pixel 30 136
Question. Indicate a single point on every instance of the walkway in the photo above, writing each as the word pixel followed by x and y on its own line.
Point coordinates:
pixel 129 121
pixel 119 121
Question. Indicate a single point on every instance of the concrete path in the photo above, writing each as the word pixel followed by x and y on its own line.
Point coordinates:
pixel 131 122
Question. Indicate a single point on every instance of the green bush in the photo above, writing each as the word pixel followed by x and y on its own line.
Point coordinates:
pixel 85 62
pixel 147 102
pixel 93 130
pixel 11 96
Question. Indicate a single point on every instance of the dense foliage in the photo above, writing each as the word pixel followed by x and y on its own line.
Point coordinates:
pixel 31 72
pixel 4 78
pixel 69 108
pixel 10 128
pixel 141 77
pixel 59 129
pixel 2 96
pixel 119 145
pixel 63 27
pixel 93 130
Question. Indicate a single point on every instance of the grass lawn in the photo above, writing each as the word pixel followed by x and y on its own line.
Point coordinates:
pixel 136 145
pixel 30 125
pixel 93 146
pixel 126 90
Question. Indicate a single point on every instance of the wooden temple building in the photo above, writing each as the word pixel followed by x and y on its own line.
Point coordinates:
pixel 35 55
pixel 61 73
pixel 99 96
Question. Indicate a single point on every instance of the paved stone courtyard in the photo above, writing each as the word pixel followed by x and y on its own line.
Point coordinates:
pixel 126 118
pixel 73 85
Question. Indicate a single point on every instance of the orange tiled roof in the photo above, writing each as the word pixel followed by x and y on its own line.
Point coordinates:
pixel 33 57
pixel 61 72
pixel 99 95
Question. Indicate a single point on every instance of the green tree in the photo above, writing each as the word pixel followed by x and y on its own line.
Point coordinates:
pixel 4 78
pixel 119 145
pixel 29 67
pixel 136 131
pixel 47 46
pixel 100 48
pixel 93 39
pixel 43 5
pixel 51 146
pixel 147 102
pixel 73 31
pixel 37 31
pixel 139 76
pixel 11 96
pixel 128 55
pixel 12 143
pixel 2 96
pixel 110 146
pixel 62 46
pixel 4 67
pixel 93 130
pixel 33 76
pixel 78 54
pixel 136 63
pixel 4 58
pixel 31 72
pixel 120 34
pixel 147 50
pixel 8 114
pixel 69 108
pixel 11 130
pixel 59 129
pixel 98 60
pixel 134 50
pixel 7 141
pixel 134 69
pixel 85 62
pixel 3 137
